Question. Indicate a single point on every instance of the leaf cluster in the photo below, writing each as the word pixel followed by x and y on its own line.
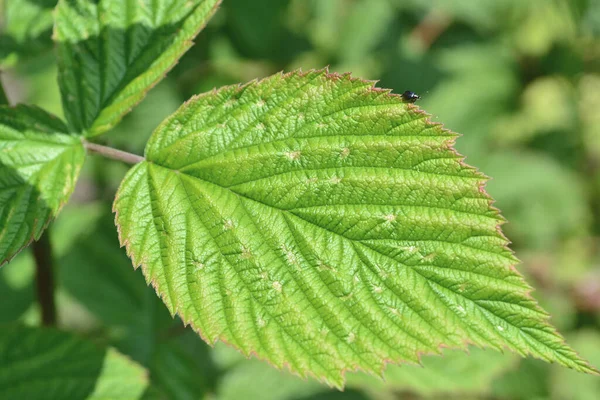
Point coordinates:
pixel 311 219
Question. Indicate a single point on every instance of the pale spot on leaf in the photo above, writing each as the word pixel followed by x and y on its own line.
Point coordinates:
pixel 246 253
pixel 390 217
pixel 293 155
pixel 351 337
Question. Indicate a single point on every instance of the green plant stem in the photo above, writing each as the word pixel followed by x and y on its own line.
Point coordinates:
pixel 112 153
pixel 44 274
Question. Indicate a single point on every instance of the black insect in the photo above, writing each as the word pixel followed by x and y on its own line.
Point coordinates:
pixel 410 97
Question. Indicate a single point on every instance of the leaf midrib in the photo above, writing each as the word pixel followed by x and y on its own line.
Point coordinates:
pixel 192 178
pixel 289 211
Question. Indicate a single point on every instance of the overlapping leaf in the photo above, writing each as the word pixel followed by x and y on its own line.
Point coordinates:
pixel 26 27
pixel 47 364
pixel 39 165
pixel 325 225
pixel 456 373
pixel 111 52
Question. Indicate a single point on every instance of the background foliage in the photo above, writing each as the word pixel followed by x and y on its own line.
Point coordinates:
pixel 519 79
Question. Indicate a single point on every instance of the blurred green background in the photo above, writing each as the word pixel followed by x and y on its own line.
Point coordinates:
pixel 520 80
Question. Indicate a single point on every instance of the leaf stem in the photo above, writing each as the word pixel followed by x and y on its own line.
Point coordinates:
pixel 44 270
pixel 112 153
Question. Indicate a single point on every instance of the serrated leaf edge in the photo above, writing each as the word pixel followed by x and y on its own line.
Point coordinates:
pixel 60 205
pixel 452 136
pixel 96 130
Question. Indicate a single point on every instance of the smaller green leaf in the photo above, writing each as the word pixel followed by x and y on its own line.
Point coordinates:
pixel 39 165
pixel 258 26
pixel 17 287
pixel 182 368
pixel 253 380
pixel 26 28
pixel 120 378
pixel 112 52
pixel 456 373
pixel 95 272
pixel 47 364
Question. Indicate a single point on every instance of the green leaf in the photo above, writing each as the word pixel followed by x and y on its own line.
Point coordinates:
pixel 112 52
pixel 26 28
pixel 253 380
pixel 258 25
pixel 456 373
pixel 120 378
pixel 39 165
pixel 48 364
pixel 182 368
pixel 325 225
pixel 95 272
pixel 17 287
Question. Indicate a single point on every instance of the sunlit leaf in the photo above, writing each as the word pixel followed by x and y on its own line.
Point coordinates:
pixel 112 52
pixel 120 378
pixel 48 364
pixel 39 165
pixel 325 225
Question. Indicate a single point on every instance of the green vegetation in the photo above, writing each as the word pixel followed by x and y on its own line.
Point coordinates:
pixel 309 219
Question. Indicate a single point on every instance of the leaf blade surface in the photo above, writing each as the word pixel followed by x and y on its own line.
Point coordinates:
pixel 325 225
pixel 39 166
pixel 48 364
pixel 113 52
